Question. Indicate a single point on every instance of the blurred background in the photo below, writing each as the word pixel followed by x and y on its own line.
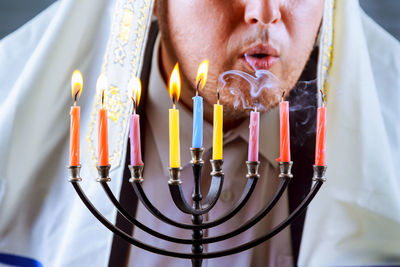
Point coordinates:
pixel 15 13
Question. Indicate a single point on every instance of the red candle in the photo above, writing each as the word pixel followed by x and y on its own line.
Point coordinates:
pixel 284 131
pixel 75 113
pixel 320 147
pixel 134 129
pixel 253 135
pixel 102 125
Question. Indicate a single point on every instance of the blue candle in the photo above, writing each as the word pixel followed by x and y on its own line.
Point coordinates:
pixel 197 140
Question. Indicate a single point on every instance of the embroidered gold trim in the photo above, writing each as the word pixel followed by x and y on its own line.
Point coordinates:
pixel 126 43
pixel 326 46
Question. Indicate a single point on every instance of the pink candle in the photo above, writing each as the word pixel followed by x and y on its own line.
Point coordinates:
pixel 74 136
pixel 253 135
pixel 320 146
pixel 134 136
pixel 284 131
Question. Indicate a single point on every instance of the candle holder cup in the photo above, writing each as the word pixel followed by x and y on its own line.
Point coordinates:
pixel 199 206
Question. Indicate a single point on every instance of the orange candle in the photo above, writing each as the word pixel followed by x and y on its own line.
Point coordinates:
pixel 284 131
pixel 102 126
pixel 320 147
pixel 75 113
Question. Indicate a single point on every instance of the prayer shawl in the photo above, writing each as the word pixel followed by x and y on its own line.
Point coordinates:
pixel 354 220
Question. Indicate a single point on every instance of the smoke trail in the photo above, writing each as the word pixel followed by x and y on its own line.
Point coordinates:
pixel 303 112
pixel 261 91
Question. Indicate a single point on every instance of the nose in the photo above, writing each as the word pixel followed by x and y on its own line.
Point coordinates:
pixel 262 11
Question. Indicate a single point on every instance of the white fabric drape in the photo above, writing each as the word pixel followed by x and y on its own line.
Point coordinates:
pixel 355 219
pixel 40 214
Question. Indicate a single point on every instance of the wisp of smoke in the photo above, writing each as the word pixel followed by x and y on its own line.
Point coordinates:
pixel 263 91
pixel 303 112
pixel 248 92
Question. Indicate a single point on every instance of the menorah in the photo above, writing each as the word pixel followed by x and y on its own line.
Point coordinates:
pixel 199 207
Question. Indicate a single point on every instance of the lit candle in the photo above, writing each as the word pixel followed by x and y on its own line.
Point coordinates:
pixel 284 131
pixel 134 129
pixel 174 146
pixel 320 146
pixel 76 86
pixel 253 135
pixel 217 130
pixel 102 85
pixel 197 139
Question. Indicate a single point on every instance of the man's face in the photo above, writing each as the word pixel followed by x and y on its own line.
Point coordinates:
pixel 274 35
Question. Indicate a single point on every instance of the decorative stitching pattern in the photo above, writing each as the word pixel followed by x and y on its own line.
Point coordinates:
pixel 127 40
pixel 326 46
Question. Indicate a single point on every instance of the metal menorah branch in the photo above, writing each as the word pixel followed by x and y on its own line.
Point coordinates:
pixel 199 207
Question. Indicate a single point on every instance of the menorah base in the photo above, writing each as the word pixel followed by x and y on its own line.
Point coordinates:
pixel 199 207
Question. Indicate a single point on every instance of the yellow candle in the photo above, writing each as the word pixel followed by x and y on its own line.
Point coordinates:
pixel 174 146
pixel 217 133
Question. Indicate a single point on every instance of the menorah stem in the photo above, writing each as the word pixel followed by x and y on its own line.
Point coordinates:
pixel 197 219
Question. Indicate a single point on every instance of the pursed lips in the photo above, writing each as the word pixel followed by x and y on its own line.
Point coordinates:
pixel 260 57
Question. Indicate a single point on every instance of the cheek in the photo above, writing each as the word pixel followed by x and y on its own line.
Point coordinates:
pixel 302 20
pixel 198 30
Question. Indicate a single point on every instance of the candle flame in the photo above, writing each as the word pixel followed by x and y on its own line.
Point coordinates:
pixel 135 87
pixel 101 86
pixel 202 74
pixel 76 84
pixel 175 84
